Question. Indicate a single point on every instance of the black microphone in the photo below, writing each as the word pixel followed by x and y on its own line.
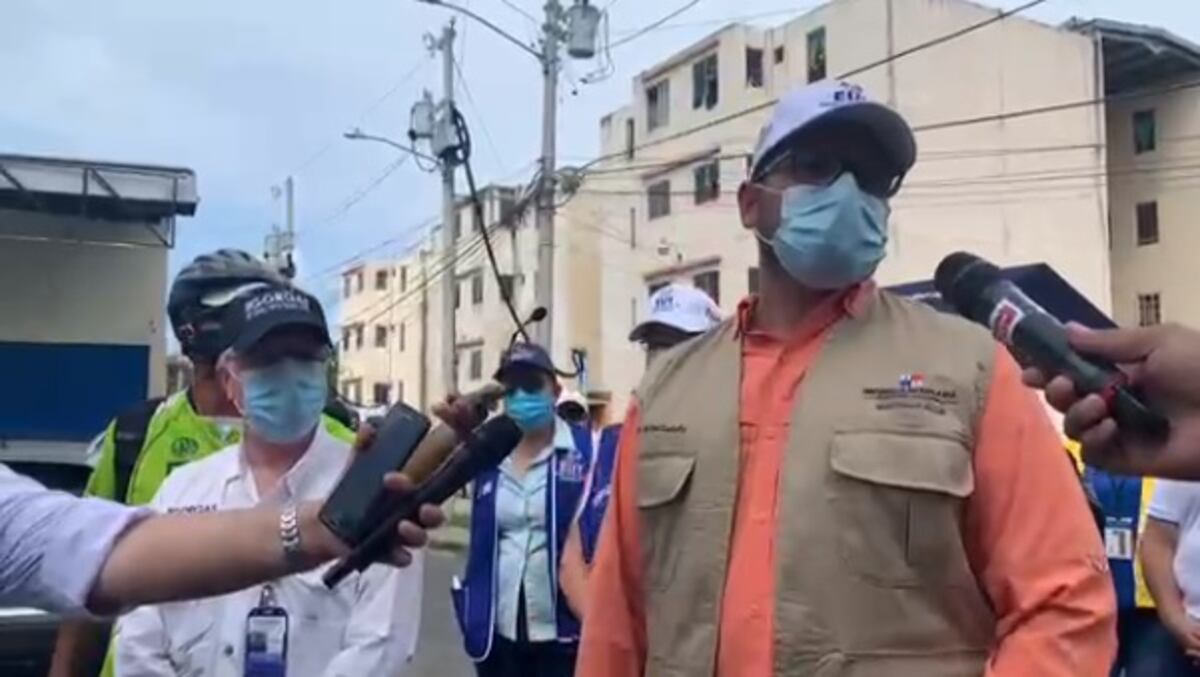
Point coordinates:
pixel 536 316
pixel 486 448
pixel 976 290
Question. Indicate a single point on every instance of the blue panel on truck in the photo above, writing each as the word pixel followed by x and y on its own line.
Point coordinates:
pixel 67 391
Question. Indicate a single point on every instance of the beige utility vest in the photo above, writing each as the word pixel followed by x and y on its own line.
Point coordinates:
pixel 871 575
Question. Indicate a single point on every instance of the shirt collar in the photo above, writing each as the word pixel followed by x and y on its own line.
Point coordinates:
pixel 303 480
pixel 851 302
pixel 563 439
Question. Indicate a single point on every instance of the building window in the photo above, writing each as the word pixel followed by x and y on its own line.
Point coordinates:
pixel 1149 309
pixel 707 181
pixel 633 228
pixel 507 206
pixel 506 287
pixel 358 281
pixel 345 340
pixel 457 294
pixel 709 283
pixel 658 199
pixel 382 394
pixel 399 391
pixel 704 82
pixel 381 280
pixel 358 336
pixel 380 336
pixel 629 139
pixel 1147 223
pixel 477 288
pixel 476 372
pixel 752 280
pixel 658 105
pixel 476 222
pixel 779 54
pixel 457 225
pixel 754 67
pixel 403 278
pixel 816 55
pixel 347 286
pixel 1145 132
pixel 403 341
pixel 352 390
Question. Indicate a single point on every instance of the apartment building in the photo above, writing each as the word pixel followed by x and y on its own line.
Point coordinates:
pixel 1153 120
pixel 391 346
pixel 991 178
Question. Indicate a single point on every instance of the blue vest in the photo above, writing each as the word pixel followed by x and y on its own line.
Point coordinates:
pixel 475 599
pixel 1124 501
pixel 604 461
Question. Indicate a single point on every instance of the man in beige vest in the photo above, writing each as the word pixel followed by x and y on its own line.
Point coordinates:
pixel 838 482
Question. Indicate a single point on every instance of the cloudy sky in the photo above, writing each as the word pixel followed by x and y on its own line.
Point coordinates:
pixel 247 93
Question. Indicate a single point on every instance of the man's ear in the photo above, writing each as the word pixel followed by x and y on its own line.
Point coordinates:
pixel 749 205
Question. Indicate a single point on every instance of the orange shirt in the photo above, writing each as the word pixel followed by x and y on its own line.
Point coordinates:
pixel 1029 536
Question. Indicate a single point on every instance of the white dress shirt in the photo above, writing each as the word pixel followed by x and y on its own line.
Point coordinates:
pixel 367 625
pixel 52 544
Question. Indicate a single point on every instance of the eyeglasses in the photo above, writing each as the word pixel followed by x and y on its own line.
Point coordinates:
pixel 822 169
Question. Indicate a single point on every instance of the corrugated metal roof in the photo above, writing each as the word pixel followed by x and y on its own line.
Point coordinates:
pixel 1136 56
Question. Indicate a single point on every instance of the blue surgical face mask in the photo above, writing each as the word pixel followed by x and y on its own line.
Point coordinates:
pixel 283 402
pixel 530 411
pixel 830 237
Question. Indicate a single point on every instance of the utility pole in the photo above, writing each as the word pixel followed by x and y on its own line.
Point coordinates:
pixel 280 245
pixel 449 212
pixel 544 291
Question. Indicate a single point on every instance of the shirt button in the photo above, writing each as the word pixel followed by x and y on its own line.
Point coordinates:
pixel 228 651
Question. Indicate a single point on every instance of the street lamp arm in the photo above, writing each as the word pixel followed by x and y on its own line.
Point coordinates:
pixel 358 135
pixel 495 29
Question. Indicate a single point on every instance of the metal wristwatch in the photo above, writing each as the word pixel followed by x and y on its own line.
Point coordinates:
pixel 289 534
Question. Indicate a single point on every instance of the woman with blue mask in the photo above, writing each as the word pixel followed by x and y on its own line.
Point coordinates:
pixel 513 614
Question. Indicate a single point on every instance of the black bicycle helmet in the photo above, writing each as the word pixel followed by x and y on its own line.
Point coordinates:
pixel 195 301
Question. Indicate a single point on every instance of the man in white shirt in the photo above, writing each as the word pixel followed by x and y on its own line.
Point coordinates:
pixel 275 373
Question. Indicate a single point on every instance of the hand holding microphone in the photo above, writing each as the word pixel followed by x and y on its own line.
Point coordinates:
pixel 1164 362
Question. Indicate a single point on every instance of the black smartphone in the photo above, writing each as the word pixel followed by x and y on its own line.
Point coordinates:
pixel 359 501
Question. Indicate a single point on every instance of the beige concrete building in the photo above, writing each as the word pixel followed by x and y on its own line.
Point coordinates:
pixel 1021 160
pixel 1152 192
pixel 992 179
pixel 391 343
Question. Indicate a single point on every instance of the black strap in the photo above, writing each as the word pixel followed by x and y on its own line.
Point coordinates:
pixel 129 436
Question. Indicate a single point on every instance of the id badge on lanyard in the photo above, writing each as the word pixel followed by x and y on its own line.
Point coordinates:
pixel 266 638
pixel 1118 537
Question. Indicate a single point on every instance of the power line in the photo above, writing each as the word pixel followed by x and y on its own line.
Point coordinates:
pixel 361 193
pixel 725 20
pixel 654 24
pixel 516 8
pixel 771 102
pixel 462 79
pixel 374 105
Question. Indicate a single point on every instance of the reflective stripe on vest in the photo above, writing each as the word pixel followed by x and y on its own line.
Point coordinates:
pixel 604 462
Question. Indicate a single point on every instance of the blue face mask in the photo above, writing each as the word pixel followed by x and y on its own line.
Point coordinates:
pixel 530 411
pixel 830 237
pixel 283 402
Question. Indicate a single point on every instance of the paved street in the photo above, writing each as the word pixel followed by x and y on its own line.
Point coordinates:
pixel 440 651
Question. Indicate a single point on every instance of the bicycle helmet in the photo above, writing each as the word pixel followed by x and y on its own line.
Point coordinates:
pixel 202 288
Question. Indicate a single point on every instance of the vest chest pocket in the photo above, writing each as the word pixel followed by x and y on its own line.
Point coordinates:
pixel 897 498
pixel 662 485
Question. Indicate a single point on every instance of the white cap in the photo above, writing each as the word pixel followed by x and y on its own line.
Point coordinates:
pixel 681 307
pixel 572 396
pixel 829 99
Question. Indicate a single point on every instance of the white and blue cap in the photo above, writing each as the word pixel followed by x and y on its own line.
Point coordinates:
pixel 829 100
pixel 681 307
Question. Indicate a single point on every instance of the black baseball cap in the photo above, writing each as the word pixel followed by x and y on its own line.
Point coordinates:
pixel 252 316
pixel 525 355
